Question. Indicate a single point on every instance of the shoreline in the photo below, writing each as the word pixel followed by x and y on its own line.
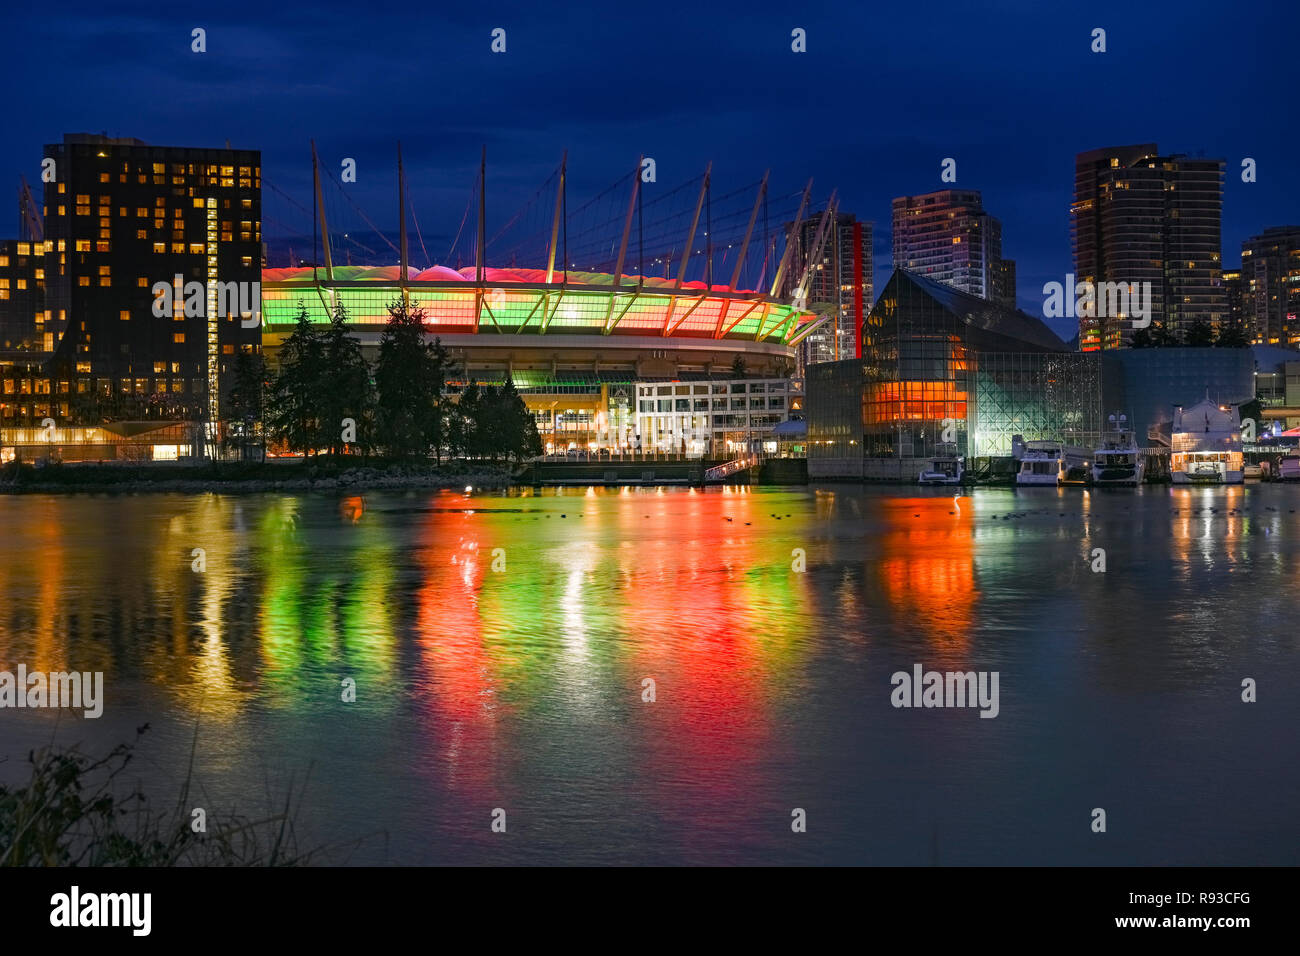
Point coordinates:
pixel 255 478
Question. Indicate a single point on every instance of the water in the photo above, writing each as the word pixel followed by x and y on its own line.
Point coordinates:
pixel 521 688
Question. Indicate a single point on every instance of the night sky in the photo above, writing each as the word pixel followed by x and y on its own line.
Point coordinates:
pixel 884 93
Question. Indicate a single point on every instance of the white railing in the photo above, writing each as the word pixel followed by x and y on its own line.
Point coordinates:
pixel 727 469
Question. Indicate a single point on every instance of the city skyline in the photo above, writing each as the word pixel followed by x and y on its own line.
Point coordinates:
pixel 1014 138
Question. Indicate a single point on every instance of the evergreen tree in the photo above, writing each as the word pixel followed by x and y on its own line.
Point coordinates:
pixel 1162 336
pixel 1200 334
pixel 346 391
pixel 441 366
pixel 464 421
pixel 410 377
pixel 1232 337
pixel 295 396
pixel 490 423
pixel 244 399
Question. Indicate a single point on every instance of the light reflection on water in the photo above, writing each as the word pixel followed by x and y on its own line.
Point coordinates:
pixel 499 643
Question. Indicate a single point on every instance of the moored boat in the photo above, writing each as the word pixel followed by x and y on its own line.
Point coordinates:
pixel 1118 461
pixel 942 471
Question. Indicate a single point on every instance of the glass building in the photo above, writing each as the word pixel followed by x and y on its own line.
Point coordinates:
pixel 1037 395
pixel 946 373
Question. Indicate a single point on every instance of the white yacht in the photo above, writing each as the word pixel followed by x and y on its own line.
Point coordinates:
pixel 1038 462
pixel 1205 445
pixel 1118 461
pixel 942 471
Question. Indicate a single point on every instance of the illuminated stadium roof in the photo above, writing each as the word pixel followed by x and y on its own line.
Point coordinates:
pixel 520 301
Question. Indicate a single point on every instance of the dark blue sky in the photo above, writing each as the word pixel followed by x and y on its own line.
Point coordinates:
pixel 884 93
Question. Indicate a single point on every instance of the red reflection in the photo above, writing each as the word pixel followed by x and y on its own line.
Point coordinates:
pixel 708 730
pixel 457 698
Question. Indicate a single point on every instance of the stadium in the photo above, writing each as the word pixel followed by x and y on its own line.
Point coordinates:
pixel 577 342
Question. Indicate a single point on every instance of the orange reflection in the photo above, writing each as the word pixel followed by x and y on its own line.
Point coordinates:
pixel 927 571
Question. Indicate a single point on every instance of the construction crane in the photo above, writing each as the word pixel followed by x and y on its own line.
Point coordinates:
pixel 30 224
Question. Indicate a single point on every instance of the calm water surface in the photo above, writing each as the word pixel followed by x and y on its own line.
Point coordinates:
pixel 521 687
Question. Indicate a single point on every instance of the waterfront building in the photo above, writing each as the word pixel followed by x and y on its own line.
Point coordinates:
pixel 714 419
pixel 119 216
pixel 1146 384
pixel 575 347
pixel 1139 217
pixel 945 373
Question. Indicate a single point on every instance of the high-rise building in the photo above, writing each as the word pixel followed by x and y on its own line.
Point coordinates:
pixel 1139 217
pixel 1236 315
pixel 1270 279
pixel 22 301
pixel 1004 283
pixel 121 216
pixel 948 237
pixel 840 285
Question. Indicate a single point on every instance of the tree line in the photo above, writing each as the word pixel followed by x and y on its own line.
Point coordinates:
pixel 324 396
pixel 1200 334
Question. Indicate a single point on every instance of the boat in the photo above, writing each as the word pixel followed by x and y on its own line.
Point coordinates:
pixel 1205 445
pixel 1118 461
pixel 942 471
pixel 1289 468
pixel 1038 462
pixel 1252 471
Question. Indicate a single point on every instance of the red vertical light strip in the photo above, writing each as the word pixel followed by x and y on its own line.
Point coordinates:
pixel 857 289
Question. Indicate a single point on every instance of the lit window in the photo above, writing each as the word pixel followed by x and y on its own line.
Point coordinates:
pixel 178 338
pixel 124 315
